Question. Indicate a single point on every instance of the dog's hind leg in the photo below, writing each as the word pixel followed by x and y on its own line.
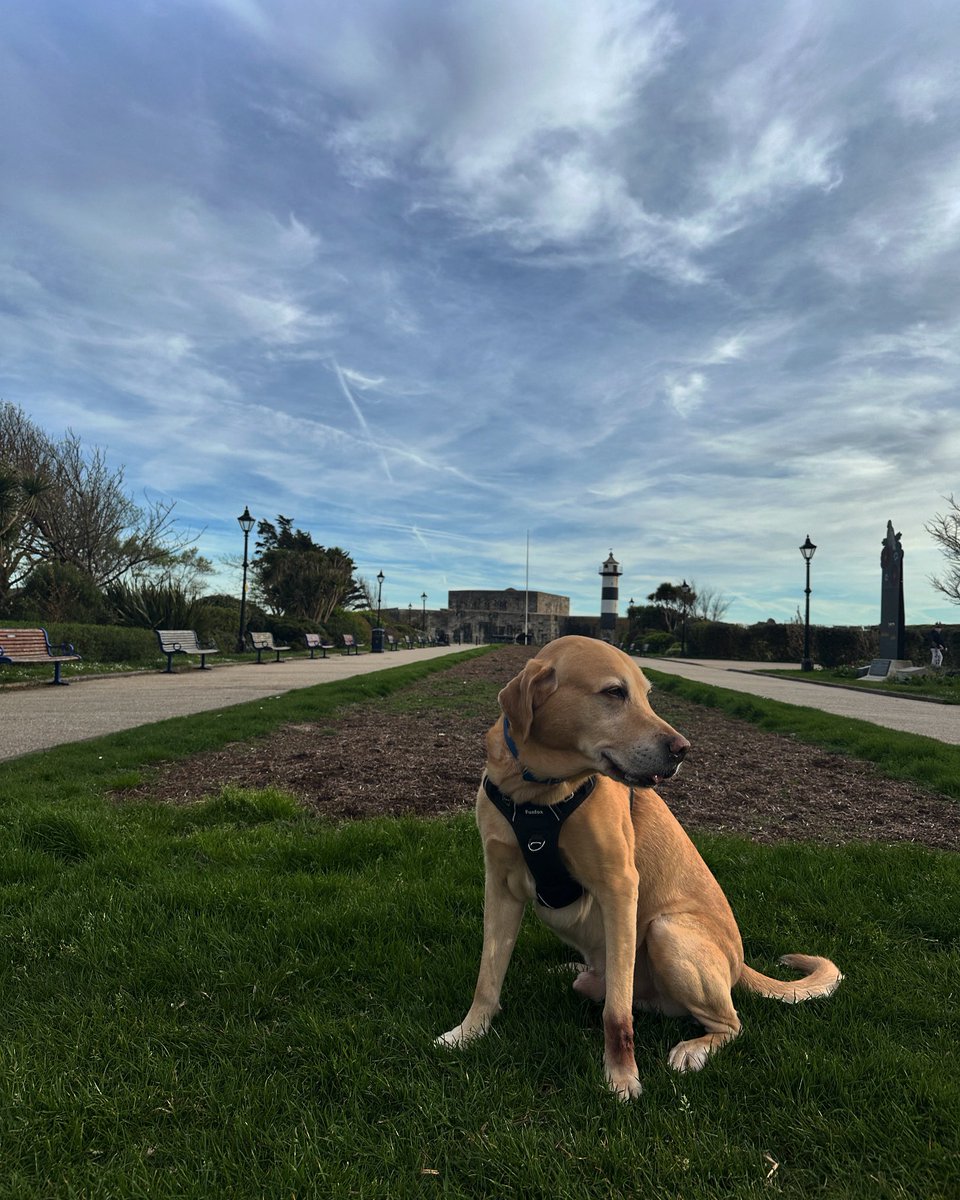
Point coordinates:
pixel 692 975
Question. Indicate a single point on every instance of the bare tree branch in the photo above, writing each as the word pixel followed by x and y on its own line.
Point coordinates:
pixel 944 528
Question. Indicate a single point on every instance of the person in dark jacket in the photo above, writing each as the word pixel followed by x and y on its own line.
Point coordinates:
pixel 937 645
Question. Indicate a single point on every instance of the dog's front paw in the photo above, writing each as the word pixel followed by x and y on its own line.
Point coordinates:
pixel 625 1086
pixel 453 1039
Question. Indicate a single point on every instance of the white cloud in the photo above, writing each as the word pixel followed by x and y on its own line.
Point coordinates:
pixel 510 125
pixel 685 393
pixel 922 96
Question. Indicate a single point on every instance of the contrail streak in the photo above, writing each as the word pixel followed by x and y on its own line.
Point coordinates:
pixel 361 420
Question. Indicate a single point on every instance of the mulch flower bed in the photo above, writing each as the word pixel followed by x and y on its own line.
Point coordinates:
pixel 373 762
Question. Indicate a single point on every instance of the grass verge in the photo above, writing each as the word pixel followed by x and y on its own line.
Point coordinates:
pixel 234 999
pixel 943 687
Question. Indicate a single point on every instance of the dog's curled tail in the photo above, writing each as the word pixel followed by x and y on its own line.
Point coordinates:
pixel 821 977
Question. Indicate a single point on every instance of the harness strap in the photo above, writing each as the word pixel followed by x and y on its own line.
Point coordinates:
pixel 537 829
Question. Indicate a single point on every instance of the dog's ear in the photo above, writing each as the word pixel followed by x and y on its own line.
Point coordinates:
pixel 524 694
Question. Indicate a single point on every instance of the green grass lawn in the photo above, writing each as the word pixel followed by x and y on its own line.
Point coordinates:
pixel 943 685
pixel 234 999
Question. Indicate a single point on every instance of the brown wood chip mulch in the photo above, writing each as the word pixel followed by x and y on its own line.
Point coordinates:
pixel 375 761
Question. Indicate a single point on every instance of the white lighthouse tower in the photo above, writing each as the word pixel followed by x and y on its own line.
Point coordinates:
pixel 610 573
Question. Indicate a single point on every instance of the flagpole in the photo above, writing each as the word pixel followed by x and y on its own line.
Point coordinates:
pixel 526 599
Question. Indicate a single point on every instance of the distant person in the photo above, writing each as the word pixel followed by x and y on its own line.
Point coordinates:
pixel 937 645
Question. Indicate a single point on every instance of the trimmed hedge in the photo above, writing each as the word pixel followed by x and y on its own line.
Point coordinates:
pixel 105 643
pixel 830 645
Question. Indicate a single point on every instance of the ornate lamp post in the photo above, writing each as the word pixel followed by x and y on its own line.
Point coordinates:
pixel 423 597
pixel 376 638
pixel 246 523
pixel 380 578
pixel 807 550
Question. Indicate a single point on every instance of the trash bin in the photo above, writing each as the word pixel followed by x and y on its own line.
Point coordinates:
pixel 376 641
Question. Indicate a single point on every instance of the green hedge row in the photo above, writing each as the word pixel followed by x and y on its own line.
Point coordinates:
pixel 128 644
pixel 830 645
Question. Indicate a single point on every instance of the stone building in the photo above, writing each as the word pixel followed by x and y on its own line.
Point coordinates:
pixel 488 616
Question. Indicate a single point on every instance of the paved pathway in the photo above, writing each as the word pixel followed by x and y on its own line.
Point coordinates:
pixel 940 721
pixel 36 718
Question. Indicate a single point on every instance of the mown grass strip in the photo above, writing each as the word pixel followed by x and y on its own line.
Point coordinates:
pixel 943 689
pixel 925 761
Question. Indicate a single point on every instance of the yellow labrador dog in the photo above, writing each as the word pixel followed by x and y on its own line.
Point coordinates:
pixel 570 821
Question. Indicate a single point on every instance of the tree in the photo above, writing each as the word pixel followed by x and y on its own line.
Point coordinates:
pixel 87 519
pixel 25 471
pixel 185 570
pixel 675 601
pixel 298 577
pixel 945 531
pixel 60 592
pixel 62 504
pixel 708 603
pixel 365 598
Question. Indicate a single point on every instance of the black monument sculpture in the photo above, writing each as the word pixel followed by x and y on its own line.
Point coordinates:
pixel 892 626
pixel 892 630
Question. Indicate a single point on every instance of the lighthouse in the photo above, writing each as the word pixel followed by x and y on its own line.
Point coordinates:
pixel 610 573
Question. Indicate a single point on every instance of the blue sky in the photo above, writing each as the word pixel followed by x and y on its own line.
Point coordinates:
pixel 676 279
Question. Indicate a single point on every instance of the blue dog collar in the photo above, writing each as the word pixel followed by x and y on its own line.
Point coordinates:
pixel 528 776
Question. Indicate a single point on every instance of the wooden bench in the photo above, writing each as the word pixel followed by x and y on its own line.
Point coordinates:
pixel 350 644
pixel 315 642
pixel 264 641
pixel 26 647
pixel 183 641
pixel 392 642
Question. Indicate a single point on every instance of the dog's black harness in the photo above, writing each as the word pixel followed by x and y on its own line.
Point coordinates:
pixel 537 828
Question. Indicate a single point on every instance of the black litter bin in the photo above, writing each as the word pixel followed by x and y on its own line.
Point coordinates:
pixel 376 641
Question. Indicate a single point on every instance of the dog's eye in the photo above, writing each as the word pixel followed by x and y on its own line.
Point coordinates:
pixel 616 692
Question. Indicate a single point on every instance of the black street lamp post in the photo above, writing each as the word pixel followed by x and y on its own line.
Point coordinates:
pixel 376 641
pixel 807 550
pixel 246 523
pixel 423 597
